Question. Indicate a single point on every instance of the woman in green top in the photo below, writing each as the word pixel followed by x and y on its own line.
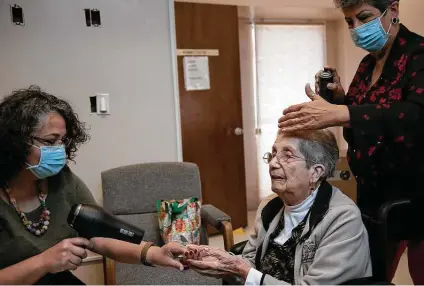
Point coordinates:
pixel 38 134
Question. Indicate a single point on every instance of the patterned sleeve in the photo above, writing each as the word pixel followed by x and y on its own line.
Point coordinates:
pixel 400 120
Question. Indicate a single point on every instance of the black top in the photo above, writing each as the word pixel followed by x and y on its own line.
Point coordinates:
pixel 279 259
pixel 386 138
pixel 18 244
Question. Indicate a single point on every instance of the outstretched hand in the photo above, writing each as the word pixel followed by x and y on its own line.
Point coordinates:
pixel 216 262
pixel 164 256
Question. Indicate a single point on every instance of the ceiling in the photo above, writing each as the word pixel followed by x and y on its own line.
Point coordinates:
pixel 281 9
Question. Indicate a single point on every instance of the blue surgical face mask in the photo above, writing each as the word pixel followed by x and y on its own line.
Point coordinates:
pixel 52 161
pixel 371 36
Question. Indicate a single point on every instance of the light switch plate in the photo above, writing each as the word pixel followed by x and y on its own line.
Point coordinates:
pixel 103 103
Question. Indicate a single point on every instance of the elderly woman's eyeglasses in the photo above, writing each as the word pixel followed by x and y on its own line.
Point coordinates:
pixel 281 157
pixel 51 142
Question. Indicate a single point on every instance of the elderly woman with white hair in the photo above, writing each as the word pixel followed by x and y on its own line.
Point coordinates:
pixel 308 232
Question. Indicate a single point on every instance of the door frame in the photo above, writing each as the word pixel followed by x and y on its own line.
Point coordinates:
pixel 174 59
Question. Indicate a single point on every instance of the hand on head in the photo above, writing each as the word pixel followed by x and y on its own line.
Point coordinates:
pixel 318 113
pixel 313 115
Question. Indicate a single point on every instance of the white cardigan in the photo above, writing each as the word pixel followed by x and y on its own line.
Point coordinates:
pixel 293 215
pixel 336 251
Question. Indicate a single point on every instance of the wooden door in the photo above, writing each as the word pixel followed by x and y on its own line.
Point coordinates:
pixel 343 179
pixel 209 118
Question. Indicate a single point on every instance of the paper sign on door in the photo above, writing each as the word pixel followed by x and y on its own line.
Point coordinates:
pixel 196 73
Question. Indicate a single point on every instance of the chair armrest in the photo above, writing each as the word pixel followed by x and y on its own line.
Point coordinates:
pixel 109 271
pixel 384 210
pixel 221 221
pixel 213 216
pixel 398 220
pixel 238 248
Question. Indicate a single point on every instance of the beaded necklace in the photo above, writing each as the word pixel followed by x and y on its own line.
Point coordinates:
pixel 36 228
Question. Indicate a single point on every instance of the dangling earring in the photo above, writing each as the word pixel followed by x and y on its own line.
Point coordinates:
pixel 395 20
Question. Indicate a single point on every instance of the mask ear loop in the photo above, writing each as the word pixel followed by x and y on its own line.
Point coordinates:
pixel 391 22
pixel 28 165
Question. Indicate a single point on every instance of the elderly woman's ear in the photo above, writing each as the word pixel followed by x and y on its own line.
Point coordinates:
pixel 317 172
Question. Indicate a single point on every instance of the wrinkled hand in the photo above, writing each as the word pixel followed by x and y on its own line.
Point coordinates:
pixel 215 262
pixel 66 255
pixel 336 86
pixel 165 255
pixel 317 114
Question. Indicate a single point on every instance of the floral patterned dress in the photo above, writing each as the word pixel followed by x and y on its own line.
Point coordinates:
pixel 386 138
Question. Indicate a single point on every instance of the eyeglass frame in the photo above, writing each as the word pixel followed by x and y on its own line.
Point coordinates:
pixel 47 142
pixel 271 157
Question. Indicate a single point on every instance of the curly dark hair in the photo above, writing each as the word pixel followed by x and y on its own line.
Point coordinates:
pixel 20 114
pixel 379 4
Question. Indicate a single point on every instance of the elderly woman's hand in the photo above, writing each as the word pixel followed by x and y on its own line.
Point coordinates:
pixel 216 262
pixel 317 114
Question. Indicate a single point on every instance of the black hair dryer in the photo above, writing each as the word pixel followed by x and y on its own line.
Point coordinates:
pixel 93 221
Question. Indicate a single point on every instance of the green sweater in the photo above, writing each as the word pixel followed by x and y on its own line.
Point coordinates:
pixel 18 244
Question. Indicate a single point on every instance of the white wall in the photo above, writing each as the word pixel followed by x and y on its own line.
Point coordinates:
pixel 412 15
pixel 129 57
